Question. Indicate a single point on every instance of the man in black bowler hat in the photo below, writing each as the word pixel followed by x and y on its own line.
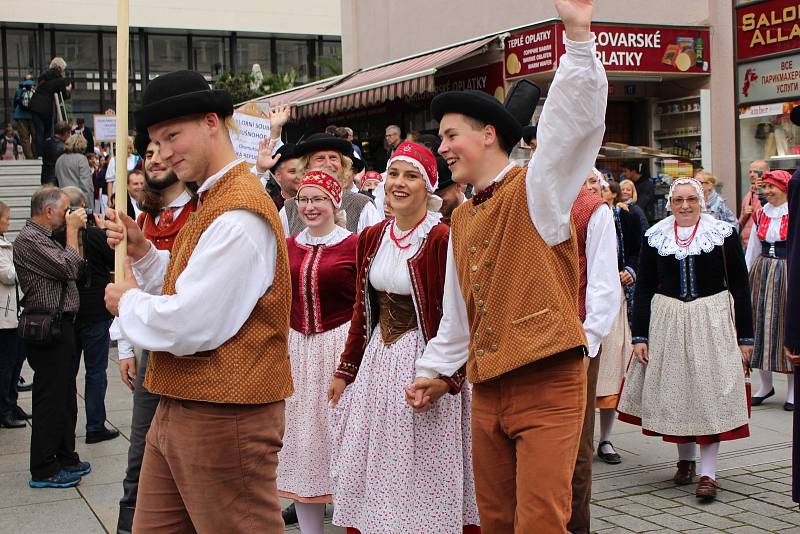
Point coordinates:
pixel 214 315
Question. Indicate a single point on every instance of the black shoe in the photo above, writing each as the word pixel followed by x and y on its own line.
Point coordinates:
pixel 78 470
pixel 9 421
pixel 125 519
pixel 21 414
pixel 608 457
pixel 756 401
pixel 24 386
pixel 60 480
pixel 788 406
pixel 290 515
pixel 101 435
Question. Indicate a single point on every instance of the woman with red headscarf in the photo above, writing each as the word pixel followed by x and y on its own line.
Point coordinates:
pixel 766 261
pixel 398 470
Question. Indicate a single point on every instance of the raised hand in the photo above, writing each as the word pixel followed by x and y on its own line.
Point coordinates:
pixel 279 116
pixel 577 18
pixel 265 160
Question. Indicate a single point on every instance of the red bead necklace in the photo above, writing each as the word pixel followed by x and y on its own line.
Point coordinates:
pixel 398 240
pixel 683 243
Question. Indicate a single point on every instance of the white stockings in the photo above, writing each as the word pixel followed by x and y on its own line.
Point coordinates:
pixel 708 457
pixel 310 517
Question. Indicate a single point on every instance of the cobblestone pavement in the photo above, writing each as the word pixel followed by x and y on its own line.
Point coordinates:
pixel 635 496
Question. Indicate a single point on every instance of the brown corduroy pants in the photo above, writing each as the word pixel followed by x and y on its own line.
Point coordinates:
pixel 525 430
pixel 211 468
pixel 582 478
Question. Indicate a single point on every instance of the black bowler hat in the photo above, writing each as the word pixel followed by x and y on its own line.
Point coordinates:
pixel 140 142
pixel 795 116
pixel 287 152
pixel 445 176
pixel 487 109
pixel 177 94
pixel 323 141
pixel 358 163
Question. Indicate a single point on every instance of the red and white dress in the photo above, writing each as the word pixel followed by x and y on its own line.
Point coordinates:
pixel 323 291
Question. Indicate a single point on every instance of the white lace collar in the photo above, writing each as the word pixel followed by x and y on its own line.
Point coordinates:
pixel 338 235
pixel 420 232
pixel 710 233
pixel 775 212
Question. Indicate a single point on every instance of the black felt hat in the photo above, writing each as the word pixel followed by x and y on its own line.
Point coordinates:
pixel 177 94
pixel 141 141
pixel 323 141
pixel 508 119
pixel 358 163
pixel 287 152
pixel 445 176
pixel 795 116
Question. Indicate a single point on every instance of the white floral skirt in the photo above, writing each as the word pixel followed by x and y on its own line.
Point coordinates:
pixel 617 350
pixel 396 471
pixel 304 461
pixel 693 383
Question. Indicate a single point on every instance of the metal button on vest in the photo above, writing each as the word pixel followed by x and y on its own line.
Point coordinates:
pixel 476 287
pixel 488 263
pixel 480 352
pixel 473 211
pixel 480 304
pixel 485 243
pixel 482 311
pixel 473 250
pixel 474 268
pixel 489 331
pixel 493 348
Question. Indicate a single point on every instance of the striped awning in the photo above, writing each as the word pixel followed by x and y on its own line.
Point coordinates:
pixel 374 85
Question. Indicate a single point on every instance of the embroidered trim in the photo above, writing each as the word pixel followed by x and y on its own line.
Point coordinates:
pixel 637 339
pixel 711 233
pixel 315 303
pixel 746 341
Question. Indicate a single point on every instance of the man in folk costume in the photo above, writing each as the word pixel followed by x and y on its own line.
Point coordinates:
pixel 327 153
pixel 172 204
pixel 791 332
pixel 511 292
pixel 599 296
pixel 214 315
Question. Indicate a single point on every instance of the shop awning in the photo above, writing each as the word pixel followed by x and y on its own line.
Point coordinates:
pixel 374 85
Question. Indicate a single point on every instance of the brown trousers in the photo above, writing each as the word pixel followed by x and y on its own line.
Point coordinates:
pixel 211 468
pixel 582 478
pixel 525 429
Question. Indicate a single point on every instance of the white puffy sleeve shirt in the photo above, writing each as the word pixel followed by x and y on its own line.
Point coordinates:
pixel 569 135
pixel 232 266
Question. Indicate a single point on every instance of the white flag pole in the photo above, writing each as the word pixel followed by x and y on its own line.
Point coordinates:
pixel 121 159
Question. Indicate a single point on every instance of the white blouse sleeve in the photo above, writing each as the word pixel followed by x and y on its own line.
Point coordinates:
pixel 602 278
pixel 369 216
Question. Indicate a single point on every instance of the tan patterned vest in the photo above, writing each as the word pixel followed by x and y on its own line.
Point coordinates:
pixel 521 294
pixel 253 366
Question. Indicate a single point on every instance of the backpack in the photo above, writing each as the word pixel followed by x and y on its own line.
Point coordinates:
pixel 26 97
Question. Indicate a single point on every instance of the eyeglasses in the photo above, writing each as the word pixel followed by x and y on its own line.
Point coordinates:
pixel 314 201
pixel 691 201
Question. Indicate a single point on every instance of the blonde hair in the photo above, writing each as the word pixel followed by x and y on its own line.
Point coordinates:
pixel 707 176
pixel 634 196
pixel 58 63
pixel 347 166
pixel 75 144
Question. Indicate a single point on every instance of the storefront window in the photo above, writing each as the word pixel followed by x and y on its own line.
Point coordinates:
pixel 766 133
pixel 210 55
pixel 253 51
pixel 79 50
pixel 167 53
pixel 293 55
pixel 330 61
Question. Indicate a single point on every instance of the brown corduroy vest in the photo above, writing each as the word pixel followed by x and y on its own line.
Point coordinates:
pixel 253 366
pixel 521 294
pixel 582 210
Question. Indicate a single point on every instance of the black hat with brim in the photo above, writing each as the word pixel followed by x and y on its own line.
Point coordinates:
pixel 287 153
pixel 141 141
pixel 483 107
pixel 322 141
pixel 178 94
pixel 795 115
pixel 445 176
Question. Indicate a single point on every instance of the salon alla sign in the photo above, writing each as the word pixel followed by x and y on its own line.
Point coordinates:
pixel 767 28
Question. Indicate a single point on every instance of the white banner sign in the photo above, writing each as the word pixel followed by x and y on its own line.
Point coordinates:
pixel 251 131
pixel 105 127
pixel 770 79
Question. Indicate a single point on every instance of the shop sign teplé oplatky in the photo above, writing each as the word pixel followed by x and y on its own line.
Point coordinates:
pixel 620 47
pixel 767 28
pixel 769 79
pixel 488 79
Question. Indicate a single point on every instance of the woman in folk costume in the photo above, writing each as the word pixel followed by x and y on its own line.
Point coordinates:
pixel 322 259
pixel 690 340
pixel 766 261
pixel 617 345
pixel 398 471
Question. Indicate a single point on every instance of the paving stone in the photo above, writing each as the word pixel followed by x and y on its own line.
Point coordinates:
pixel 71 516
pixel 638 510
pixel 599 524
pixel 746 529
pixel 760 521
pixel 791 517
pixel 634 524
pixel 714 507
pixel 746 479
pixel 765 508
pixel 711 520
pixel 613 503
pixel 654 501
pixel 778 487
pixel 784 500
pixel 597 511
pixel 772 475
pixel 670 493
pixel 638 490
pixel 672 521
pixel 738 487
pixel 604 495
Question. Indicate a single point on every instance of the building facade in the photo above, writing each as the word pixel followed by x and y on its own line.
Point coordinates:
pixel 210 37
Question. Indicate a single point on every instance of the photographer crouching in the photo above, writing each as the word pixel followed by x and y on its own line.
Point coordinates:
pixel 47 272
pixel 93 319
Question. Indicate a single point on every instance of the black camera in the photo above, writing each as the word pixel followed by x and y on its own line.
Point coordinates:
pixel 89 215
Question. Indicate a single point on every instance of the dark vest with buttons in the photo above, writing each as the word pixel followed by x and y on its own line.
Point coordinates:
pixel 352 204
pixel 521 294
